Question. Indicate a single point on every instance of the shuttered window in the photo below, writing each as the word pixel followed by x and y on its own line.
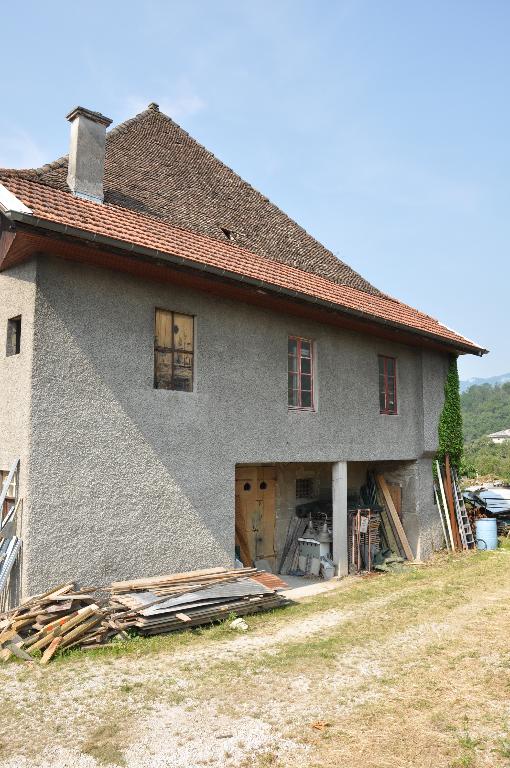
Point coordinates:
pixel 300 373
pixel 387 385
pixel 173 351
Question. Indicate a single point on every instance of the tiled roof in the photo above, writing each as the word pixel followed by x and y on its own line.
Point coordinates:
pixel 155 168
pixel 131 227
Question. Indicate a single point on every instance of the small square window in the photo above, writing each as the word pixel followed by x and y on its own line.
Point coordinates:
pixel 305 488
pixel 13 336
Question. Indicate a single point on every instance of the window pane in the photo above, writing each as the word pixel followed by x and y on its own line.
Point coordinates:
pixel 183 359
pixel 306 382
pixel 292 346
pixel 163 370
pixel 293 364
pixel 183 332
pixel 306 365
pixel 293 381
pixel 293 398
pixel 306 349
pixel 382 401
pixel 381 365
pixel 183 379
pixel 163 329
pixel 306 399
pixel 390 366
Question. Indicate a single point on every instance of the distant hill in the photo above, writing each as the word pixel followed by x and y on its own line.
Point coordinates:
pixel 501 379
pixel 485 409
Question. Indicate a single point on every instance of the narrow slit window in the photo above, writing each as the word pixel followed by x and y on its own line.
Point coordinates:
pixel 173 351
pixel 14 336
pixel 300 374
pixel 387 385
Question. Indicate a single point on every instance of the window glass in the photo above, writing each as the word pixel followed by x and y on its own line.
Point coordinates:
pixel 300 373
pixel 387 385
pixel 173 351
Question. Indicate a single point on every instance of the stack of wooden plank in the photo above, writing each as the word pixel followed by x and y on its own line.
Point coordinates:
pixel 67 617
pixel 170 603
pixel 61 618
pixel 175 583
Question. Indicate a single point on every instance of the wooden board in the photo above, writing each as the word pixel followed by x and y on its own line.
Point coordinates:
pixel 396 494
pixel 394 516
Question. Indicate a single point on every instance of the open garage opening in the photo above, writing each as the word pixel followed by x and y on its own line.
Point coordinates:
pixel 279 506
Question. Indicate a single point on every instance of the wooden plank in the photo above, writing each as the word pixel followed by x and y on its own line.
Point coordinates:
pixel 396 494
pixel 168 579
pixel 445 505
pixel 242 539
pixel 395 518
pixel 51 650
pixel 451 504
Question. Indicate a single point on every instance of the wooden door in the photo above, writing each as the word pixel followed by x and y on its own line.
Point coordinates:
pixel 255 511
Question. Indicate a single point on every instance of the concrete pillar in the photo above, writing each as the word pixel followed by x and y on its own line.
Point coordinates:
pixel 340 556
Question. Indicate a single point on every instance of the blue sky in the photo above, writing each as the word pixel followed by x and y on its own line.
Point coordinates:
pixel 382 127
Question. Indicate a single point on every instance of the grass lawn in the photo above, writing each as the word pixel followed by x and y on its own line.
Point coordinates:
pixel 395 670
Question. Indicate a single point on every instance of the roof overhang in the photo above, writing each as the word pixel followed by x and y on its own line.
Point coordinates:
pixel 24 235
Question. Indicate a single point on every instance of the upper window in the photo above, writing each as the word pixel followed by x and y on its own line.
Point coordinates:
pixel 300 365
pixel 387 385
pixel 13 336
pixel 173 351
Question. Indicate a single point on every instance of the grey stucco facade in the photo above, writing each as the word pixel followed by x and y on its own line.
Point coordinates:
pixel 123 480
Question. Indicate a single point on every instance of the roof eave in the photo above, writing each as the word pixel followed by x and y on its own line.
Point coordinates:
pixel 26 217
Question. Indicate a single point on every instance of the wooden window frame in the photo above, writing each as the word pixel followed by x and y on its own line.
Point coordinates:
pixel 387 410
pixel 299 340
pixel 172 350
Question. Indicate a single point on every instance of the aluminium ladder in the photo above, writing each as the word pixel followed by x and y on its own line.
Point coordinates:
pixel 466 534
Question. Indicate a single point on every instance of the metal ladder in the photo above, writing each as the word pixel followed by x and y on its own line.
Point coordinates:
pixel 466 534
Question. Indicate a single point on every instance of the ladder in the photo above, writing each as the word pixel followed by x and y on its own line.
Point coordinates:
pixel 466 534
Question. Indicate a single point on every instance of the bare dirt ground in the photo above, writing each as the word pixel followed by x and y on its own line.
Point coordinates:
pixel 407 670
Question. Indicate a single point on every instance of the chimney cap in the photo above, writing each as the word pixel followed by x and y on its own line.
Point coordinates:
pixel 96 117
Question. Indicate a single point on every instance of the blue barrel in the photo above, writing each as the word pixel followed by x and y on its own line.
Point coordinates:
pixel 487 533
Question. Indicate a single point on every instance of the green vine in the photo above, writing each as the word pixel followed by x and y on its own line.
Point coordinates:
pixel 450 423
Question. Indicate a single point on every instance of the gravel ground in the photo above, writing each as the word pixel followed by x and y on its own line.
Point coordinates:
pixel 251 702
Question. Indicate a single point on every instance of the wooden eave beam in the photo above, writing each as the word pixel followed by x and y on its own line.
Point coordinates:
pixel 25 242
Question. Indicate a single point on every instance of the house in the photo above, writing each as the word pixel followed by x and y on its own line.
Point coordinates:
pixel 180 360
pixel 500 437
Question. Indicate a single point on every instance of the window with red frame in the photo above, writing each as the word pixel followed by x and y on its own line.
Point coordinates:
pixel 300 356
pixel 387 385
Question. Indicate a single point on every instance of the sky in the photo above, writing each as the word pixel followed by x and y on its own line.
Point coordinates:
pixel 381 127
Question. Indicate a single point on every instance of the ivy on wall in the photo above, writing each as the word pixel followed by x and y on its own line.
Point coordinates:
pixel 450 423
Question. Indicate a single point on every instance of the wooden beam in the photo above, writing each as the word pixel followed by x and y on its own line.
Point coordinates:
pixel 394 516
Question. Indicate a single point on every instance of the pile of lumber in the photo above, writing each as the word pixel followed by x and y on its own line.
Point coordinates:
pixel 183 600
pixel 61 618
pixel 67 617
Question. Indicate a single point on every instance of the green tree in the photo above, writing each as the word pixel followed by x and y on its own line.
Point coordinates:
pixel 485 409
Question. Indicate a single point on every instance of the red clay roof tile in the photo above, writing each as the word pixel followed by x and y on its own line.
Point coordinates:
pixel 131 227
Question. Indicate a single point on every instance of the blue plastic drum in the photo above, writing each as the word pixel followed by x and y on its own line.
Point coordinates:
pixel 487 533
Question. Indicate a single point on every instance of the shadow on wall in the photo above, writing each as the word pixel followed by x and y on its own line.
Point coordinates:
pixel 109 466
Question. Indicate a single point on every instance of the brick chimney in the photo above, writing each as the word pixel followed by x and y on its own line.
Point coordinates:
pixel 86 153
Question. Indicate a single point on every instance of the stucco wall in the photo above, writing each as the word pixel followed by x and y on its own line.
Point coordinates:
pixel 17 297
pixel 127 480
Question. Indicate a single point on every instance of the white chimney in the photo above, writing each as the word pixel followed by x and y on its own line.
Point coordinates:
pixel 86 153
